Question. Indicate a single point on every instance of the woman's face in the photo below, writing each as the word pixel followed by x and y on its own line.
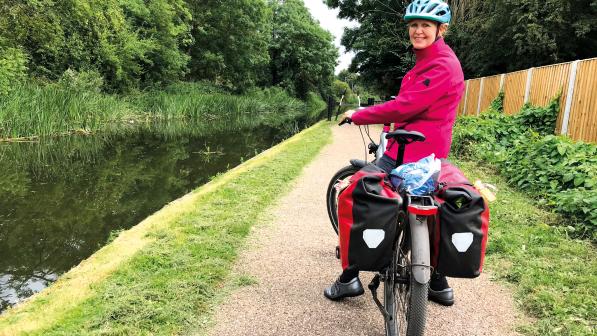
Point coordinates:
pixel 422 33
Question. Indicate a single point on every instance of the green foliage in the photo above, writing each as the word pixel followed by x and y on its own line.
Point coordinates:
pixel 381 41
pixel 231 41
pixel 541 120
pixel 303 56
pixel 129 42
pixel 559 172
pixel 340 88
pixel 90 80
pixel 498 103
pixel 578 202
pixel 492 37
pixel 550 163
pixel 13 68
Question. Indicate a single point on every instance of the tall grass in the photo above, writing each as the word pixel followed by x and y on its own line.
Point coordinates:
pixel 31 110
pixel 40 110
pixel 263 107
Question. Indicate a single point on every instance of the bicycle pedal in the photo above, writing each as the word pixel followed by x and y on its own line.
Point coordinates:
pixel 337 252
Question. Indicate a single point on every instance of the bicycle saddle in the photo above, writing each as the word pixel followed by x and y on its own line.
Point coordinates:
pixel 404 136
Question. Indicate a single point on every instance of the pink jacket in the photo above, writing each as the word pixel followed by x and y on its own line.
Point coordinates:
pixel 427 102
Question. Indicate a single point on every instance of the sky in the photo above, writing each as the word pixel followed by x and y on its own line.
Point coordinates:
pixel 328 19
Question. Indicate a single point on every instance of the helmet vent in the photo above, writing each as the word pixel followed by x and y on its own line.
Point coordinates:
pixel 434 6
pixel 442 12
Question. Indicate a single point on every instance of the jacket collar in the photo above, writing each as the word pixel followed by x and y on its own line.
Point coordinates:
pixel 433 49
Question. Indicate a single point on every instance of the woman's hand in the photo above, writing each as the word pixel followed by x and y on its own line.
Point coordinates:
pixel 349 113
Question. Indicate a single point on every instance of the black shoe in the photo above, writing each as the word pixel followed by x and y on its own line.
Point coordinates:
pixel 444 297
pixel 439 290
pixel 339 290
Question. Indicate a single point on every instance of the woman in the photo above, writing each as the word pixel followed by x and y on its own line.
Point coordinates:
pixel 427 102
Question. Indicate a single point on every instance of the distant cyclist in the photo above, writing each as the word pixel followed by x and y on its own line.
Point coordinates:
pixel 427 102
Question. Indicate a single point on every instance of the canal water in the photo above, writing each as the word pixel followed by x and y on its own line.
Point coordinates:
pixel 64 198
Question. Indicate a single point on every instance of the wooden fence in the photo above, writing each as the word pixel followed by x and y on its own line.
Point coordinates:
pixel 577 81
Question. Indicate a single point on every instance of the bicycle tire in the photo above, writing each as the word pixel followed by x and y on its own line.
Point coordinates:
pixel 332 195
pixel 406 303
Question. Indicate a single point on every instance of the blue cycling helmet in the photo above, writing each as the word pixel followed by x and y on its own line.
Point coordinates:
pixel 434 10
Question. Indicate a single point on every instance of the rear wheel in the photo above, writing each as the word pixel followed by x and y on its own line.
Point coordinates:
pixel 332 193
pixel 405 299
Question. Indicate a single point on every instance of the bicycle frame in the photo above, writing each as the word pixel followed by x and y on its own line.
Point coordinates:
pixel 410 269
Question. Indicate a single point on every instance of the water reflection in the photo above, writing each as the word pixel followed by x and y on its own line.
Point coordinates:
pixel 61 198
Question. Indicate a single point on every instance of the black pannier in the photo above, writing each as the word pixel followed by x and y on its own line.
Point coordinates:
pixel 368 214
pixel 459 235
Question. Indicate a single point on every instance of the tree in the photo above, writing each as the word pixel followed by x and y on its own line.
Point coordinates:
pixel 489 37
pixel 380 42
pixel 340 88
pixel 131 43
pixel 492 37
pixel 231 41
pixel 303 56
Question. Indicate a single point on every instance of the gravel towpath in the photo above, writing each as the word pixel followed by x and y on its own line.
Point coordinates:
pixel 292 260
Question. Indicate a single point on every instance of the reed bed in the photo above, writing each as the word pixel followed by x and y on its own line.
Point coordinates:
pixel 38 110
pixel 31 110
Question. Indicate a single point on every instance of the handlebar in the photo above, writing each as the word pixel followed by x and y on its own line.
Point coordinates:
pixel 345 121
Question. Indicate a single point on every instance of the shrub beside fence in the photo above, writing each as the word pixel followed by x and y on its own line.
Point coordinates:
pixel 577 82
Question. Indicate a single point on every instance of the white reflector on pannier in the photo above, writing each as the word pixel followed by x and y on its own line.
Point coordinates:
pixel 462 241
pixel 373 237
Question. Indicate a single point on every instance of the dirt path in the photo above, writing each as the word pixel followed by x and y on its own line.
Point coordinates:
pixel 292 260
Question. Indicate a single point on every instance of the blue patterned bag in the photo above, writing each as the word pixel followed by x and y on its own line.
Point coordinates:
pixel 417 178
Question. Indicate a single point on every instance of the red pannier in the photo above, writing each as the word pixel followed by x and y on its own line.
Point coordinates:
pixel 367 214
pixel 459 235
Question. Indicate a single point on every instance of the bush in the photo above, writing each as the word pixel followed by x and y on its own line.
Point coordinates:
pixel 559 172
pixel 13 68
pixel 542 120
pixel 74 80
pixel 578 203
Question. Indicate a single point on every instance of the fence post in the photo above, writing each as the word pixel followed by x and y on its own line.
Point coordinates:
pixel 480 96
pixel 502 78
pixel 465 97
pixel 527 92
pixel 569 96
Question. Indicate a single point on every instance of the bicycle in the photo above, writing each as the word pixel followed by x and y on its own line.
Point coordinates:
pixel 406 279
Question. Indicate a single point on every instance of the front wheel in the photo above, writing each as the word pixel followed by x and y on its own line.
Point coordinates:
pixel 332 193
pixel 405 299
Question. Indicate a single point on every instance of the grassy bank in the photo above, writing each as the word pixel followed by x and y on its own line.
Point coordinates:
pixel 553 275
pixel 164 275
pixel 52 109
